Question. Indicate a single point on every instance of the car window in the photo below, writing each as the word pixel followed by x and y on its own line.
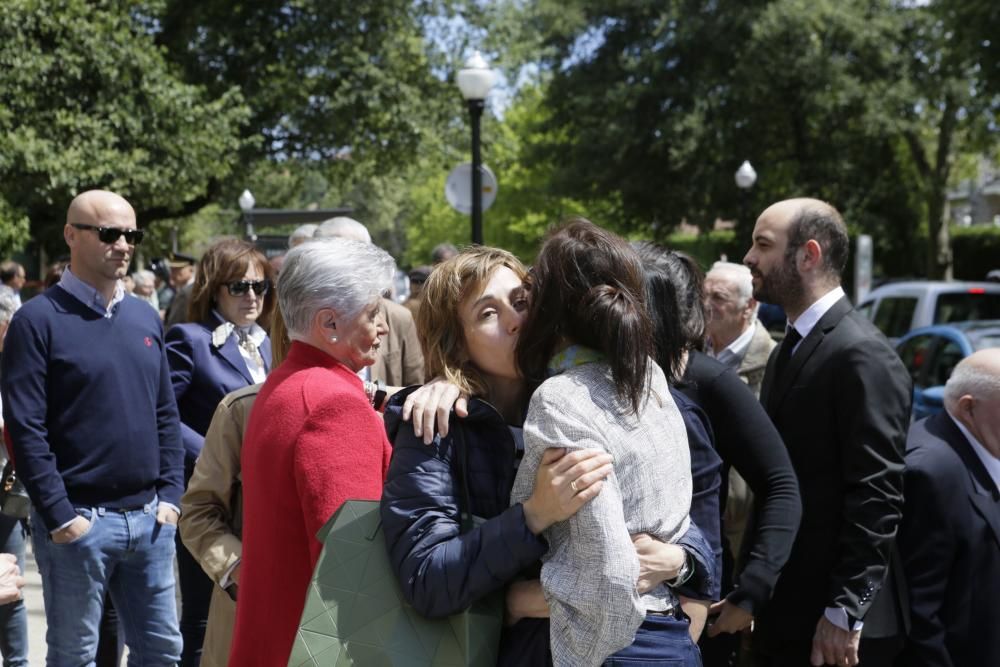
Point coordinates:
pixel 915 353
pixel 894 315
pixel 943 362
pixel 985 341
pixel 962 306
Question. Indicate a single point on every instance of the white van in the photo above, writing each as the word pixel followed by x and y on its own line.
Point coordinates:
pixel 896 308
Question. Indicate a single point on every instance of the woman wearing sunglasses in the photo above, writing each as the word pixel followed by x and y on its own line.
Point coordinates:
pixel 223 348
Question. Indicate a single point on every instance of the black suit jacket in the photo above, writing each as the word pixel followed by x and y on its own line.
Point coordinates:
pixel 842 407
pixel 950 544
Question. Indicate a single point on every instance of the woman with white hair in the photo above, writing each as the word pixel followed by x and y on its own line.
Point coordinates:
pixel 314 438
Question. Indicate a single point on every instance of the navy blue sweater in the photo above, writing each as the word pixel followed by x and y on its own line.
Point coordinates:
pixel 89 406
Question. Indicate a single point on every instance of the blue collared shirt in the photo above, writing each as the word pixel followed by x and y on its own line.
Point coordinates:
pixel 88 294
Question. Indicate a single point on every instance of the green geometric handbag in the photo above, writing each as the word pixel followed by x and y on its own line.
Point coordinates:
pixel 355 613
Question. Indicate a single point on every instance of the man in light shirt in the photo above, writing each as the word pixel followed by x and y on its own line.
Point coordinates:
pixel 735 337
pixel 840 398
pixel 950 535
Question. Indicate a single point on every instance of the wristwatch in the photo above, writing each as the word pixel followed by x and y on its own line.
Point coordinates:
pixel 687 569
pixel 378 399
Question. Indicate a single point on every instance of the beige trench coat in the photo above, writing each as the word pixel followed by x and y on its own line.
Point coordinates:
pixel 212 515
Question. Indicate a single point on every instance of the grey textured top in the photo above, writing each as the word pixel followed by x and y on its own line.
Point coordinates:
pixel 591 568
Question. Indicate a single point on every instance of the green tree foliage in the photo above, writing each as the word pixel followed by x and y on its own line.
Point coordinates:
pixel 527 204
pixel 324 79
pixel 88 100
pixel 858 102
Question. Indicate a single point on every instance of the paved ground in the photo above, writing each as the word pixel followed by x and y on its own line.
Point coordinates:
pixel 36 610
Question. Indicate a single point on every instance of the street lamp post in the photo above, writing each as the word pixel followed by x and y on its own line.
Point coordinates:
pixel 745 176
pixel 475 81
pixel 247 202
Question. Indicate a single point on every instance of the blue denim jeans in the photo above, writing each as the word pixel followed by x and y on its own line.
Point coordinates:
pixel 13 616
pixel 663 641
pixel 127 554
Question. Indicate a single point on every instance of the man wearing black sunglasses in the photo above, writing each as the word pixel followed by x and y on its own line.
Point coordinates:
pixel 91 413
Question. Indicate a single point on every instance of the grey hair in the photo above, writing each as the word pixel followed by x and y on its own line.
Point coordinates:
pixel 144 277
pixel 341 227
pixel 972 379
pixel 737 274
pixel 301 234
pixel 8 304
pixel 336 273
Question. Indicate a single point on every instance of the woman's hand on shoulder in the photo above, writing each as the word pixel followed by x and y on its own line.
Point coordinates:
pixel 658 561
pixel 564 483
pixel 430 406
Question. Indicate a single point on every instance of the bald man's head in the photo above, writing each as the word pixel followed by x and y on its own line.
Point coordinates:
pixel 89 206
pixel 972 396
pixel 98 263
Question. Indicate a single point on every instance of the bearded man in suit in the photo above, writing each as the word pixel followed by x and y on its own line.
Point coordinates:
pixel 840 397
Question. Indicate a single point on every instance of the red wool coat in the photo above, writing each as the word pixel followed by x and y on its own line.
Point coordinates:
pixel 312 442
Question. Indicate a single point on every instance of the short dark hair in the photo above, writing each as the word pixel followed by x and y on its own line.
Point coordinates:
pixel 824 225
pixel 675 303
pixel 587 287
pixel 443 252
pixel 54 274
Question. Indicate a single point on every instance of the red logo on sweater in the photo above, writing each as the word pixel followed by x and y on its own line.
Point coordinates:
pixel 148 341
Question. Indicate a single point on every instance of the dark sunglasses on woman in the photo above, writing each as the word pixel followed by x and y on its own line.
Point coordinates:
pixel 112 234
pixel 241 287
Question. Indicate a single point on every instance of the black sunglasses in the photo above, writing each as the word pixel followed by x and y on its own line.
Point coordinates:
pixel 112 234
pixel 241 287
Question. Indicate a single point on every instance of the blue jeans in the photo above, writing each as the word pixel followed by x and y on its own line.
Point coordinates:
pixel 13 616
pixel 662 640
pixel 127 554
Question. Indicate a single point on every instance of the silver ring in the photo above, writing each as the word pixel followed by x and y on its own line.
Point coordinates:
pixel 572 485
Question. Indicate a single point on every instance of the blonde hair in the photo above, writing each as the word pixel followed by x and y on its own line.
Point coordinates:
pixel 438 322
pixel 279 339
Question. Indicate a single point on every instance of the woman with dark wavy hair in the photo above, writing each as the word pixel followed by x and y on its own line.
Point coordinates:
pixel 588 342
pixel 745 439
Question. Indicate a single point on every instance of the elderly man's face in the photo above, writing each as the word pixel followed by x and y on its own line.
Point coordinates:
pixel 728 315
pixel 984 414
pixel 143 288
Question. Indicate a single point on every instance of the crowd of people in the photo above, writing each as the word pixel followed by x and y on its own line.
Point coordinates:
pixel 656 479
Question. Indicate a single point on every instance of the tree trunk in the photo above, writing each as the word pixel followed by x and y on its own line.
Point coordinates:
pixel 939 256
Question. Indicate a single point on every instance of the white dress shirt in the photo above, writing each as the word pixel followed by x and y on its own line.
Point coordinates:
pixel 811 316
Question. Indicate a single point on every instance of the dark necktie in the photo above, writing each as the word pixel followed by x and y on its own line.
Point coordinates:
pixel 792 337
